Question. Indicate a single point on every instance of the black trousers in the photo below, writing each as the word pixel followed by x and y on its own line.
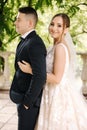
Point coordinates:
pixel 27 117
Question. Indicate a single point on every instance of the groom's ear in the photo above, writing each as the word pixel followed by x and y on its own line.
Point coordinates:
pixel 66 30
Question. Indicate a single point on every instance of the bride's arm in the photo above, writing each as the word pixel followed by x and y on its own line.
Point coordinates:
pixel 25 67
pixel 59 65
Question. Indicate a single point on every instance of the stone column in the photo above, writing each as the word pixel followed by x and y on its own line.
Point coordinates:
pixel 84 72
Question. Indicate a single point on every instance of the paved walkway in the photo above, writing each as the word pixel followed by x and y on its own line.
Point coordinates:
pixel 8 113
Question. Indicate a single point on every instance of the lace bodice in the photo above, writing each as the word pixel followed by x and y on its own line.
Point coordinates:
pixel 50 59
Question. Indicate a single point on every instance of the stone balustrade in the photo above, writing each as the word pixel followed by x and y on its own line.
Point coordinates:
pixel 5 74
pixel 84 71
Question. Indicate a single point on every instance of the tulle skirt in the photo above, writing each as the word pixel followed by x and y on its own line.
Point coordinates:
pixel 63 107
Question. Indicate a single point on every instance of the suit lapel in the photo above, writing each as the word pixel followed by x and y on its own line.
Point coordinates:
pixel 22 44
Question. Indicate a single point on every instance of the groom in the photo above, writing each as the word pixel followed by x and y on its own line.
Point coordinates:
pixel 26 89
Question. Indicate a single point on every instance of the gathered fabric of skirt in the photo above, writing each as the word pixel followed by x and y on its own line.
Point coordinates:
pixel 63 107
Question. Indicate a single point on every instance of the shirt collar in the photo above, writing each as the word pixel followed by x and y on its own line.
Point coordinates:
pixel 23 36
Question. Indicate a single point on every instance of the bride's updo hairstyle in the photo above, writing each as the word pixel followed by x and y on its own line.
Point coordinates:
pixel 66 19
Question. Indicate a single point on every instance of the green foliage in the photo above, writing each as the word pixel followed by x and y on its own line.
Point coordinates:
pixel 75 9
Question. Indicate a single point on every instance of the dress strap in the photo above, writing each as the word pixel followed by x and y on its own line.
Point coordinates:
pixel 61 44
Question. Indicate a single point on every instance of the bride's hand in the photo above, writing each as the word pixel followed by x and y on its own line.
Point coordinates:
pixel 25 67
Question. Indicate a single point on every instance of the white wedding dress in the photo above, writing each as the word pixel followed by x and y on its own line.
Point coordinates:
pixel 63 106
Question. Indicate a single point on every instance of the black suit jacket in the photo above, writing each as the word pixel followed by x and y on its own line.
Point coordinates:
pixel 33 51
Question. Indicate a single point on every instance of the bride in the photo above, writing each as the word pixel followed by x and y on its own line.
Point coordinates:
pixel 63 107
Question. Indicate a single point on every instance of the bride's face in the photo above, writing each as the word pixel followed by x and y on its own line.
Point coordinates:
pixel 56 27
